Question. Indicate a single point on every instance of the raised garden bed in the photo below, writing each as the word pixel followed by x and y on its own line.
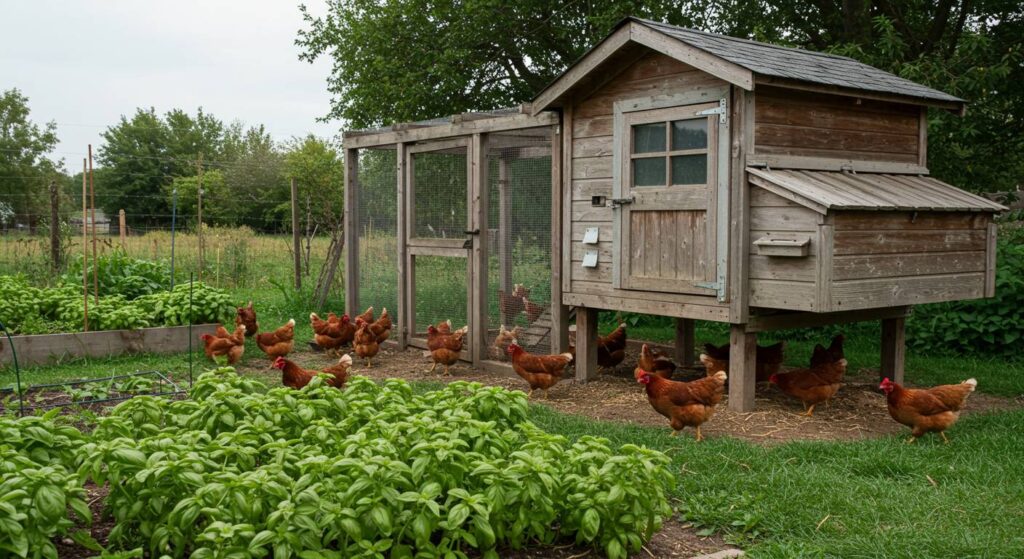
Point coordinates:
pixel 49 348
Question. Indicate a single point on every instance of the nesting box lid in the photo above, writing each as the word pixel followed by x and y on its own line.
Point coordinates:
pixel 822 191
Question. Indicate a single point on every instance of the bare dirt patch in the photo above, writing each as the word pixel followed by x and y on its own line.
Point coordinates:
pixel 857 412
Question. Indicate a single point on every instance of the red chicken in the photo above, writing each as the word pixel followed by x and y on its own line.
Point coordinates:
pixel 225 347
pixel 365 343
pixel 539 371
pixel 382 326
pixel 767 361
pixel 367 315
pixel 278 343
pixel 499 349
pixel 445 348
pixel 814 385
pixel 333 333
pixel 611 349
pixel 656 362
pixel 296 377
pixel 685 404
pixel 833 353
pixel 533 310
pixel 247 315
pixel 510 304
pixel 927 410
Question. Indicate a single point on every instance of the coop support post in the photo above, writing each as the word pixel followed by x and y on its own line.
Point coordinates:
pixel 350 233
pixel 478 288
pixel 742 364
pixel 894 348
pixel 403 250
pixel 684 341
pixel 92 205
pixel 559 312
pixel 85 248
pixel 199 201
pixel 296 241
pixel 586 344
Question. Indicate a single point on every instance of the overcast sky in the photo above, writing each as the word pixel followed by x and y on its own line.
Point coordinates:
pixel 84 63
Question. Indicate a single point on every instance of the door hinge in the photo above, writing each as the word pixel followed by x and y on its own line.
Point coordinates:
pixel 721 110
pixel 616 202
pixel 716 285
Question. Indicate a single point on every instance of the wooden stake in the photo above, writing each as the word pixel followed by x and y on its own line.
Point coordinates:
pixel 55 252
pixel 92 203
pixel 123 230
pixel 85 248
pixel 296 244
pixel 199 190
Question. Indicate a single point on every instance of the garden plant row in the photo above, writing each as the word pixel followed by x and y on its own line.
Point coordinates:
pixel 373 471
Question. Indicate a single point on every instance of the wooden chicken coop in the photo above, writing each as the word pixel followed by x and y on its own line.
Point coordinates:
pixel 700 177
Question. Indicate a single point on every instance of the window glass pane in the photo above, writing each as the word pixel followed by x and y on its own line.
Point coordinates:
pixel 690 169
pixel 649 138
pixel 690 134
pixel 649 171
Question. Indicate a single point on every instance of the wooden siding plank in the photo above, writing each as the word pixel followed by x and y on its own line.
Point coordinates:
pixel 915 290
pixel 832 162
pixel 712 312
pixel 579 229
pixel 584 190
pixel 774 268
pixel 585 211
pixel 901 264
pixel 592 168
pixel 596 146
pixel 908 221
pixel 806 137
pixel 782 294
pixel 761 198
pixel 887 242
pixel 591 126
pixel 783 219
pixel 790 157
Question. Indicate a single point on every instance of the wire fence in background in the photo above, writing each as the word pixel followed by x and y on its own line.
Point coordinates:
pixel 378 231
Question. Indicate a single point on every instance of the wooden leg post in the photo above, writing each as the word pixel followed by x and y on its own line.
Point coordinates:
pixel 742 374
pixel 684 341
pixel 894 348
pixel 586 344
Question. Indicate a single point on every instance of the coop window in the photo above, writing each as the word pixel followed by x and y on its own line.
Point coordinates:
pixel 671 152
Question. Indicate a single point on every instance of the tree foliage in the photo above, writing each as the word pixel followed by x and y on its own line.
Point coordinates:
pixel 401 61
pixel 25 171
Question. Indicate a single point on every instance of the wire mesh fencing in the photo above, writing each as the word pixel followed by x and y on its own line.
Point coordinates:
pixel 378 231
pixel 519 239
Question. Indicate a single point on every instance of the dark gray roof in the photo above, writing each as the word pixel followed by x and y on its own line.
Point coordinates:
pixel 798 64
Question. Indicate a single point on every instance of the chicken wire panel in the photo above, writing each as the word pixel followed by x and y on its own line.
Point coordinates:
pixel 440 187
pixel 519 237
pixel 378 230
pixel 440 291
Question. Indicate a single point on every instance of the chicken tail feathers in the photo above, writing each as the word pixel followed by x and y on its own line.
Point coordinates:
pixel 973 383
pixel 569 356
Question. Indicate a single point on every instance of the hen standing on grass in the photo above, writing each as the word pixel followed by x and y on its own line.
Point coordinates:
pixel 685 404
pixel 928 409
pixel 278 343
pixel 247 316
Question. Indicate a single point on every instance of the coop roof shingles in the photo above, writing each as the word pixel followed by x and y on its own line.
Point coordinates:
pixel 833 190
pixel 798 64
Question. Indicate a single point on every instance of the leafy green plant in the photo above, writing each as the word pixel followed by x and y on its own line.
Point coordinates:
pixel 371 471
pixel 119 274
pixel 985 327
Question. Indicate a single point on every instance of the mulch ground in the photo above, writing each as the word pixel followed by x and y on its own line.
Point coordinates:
pixel 858 412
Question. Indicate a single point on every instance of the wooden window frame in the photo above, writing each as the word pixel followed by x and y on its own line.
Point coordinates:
pixel 665 116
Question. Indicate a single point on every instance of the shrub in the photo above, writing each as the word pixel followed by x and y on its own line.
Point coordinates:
pixel 120 274
pixel 984 327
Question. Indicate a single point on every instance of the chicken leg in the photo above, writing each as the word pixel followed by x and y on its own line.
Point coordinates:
pixel 674 433
pixel 810 411
pixel 944 437
pixel 529 394
pixel 699 437
pixel 432 368
pixel 911 439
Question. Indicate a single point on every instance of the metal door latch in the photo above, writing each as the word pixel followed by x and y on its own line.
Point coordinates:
pixel 616 202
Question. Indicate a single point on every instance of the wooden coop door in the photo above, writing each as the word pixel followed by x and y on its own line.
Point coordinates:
pixel 666 199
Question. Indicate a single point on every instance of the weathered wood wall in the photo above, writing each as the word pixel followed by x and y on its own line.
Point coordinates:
pixel 799 123
pixel 872 259
pixel 591 175
pixel 782 282
pixel 48 348
pixel 898 258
